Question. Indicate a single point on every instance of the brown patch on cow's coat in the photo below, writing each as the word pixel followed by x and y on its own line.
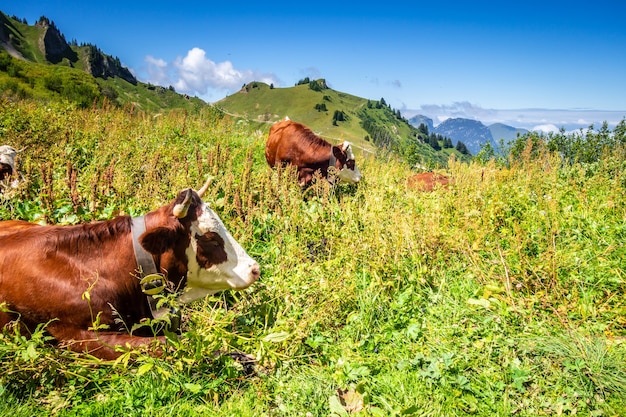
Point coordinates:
pixel 7 161
pixel 5 171
pixel 210 250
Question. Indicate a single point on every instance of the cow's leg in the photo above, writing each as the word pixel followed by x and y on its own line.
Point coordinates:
pixel 305 176
pixel 101 344
pixel 6 318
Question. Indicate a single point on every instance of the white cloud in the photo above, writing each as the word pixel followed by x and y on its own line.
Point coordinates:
pixel 157 70
pixel 547 128
pixel 463 109
pixel 196 74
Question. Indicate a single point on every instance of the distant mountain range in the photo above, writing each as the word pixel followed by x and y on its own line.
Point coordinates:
pixel 472 133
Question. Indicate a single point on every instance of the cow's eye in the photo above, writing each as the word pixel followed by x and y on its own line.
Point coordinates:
pixel 207 241
pixel 210 249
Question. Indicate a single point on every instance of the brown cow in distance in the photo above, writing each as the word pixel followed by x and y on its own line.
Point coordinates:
pixel 428 181
pixel 293 143
pixel 181 248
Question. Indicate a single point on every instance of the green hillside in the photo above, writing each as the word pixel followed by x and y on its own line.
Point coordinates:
pixel 368 124
pixel 44 82
pixel 37 63
pixel 258 101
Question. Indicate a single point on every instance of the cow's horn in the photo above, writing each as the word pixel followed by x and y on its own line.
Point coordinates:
pixel 205 187
pixel 180 210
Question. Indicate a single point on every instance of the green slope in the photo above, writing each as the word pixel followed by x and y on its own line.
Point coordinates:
pixel 82 75
pixel 369 125
pixel 258 101
pixel 44 82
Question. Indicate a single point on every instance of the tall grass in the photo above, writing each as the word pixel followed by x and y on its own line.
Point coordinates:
pixel 502 295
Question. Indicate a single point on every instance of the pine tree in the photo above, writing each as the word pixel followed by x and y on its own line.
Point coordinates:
pixel 460 146
pixel 433 142
pixel 423 129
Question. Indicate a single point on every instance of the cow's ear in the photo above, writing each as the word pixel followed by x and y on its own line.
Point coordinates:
pixel 158 240
pixel 339 154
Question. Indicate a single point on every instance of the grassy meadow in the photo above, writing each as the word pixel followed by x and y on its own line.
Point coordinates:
pixel 503 295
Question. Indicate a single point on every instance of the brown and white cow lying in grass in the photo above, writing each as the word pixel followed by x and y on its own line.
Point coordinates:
pixel 72 276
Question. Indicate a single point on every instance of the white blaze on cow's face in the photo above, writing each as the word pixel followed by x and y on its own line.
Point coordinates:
pixel 216 261
pixel 349 173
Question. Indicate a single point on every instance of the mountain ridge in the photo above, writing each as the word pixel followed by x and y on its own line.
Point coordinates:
pixel 43 42
pixel 473 133
pixel 37 62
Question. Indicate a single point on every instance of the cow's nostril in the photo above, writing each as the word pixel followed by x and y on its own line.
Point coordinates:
pixel 255 271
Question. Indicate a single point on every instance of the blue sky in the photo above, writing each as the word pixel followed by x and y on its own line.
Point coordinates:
pixel 530 64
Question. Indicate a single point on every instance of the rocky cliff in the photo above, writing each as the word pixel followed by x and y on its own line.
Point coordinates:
pixel 52 43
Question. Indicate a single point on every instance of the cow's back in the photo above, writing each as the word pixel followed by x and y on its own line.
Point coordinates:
pixel 44 270
pixel 8 227
pixel 276 140
pixel 294 143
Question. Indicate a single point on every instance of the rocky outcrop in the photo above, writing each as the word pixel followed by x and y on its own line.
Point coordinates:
pixel 53 45
pixel 104 66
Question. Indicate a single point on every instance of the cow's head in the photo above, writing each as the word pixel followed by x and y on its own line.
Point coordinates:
pixel 348 171
pixel 7 161
pixel 215 260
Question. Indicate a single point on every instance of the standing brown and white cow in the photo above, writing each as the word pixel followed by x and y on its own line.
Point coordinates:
pixel 293 143
pixel 71 276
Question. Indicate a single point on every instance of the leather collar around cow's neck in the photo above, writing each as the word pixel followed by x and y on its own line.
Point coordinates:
pixel 152 282
pixel 332 167
pixel 144 259
pixel 332 161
